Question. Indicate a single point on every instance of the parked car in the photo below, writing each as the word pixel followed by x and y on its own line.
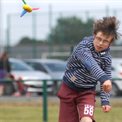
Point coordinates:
pixel 116 77
pixel 54 67
pixel 32 79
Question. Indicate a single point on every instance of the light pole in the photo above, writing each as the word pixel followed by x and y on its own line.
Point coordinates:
pixel 8 32
pixel 50 28
pixel 34 51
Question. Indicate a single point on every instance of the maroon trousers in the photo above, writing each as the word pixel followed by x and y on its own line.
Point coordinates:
pixel 75 105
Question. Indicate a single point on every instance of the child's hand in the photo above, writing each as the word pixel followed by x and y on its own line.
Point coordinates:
pixel 106 108
pixel 107 86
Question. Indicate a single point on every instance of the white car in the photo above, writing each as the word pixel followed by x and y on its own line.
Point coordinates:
pixel 54 67
pixel 32 79
pixel 116 77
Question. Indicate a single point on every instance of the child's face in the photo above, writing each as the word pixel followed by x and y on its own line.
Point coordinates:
pixel 102 41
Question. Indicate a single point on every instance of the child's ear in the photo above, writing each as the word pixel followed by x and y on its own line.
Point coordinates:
pixel 94 34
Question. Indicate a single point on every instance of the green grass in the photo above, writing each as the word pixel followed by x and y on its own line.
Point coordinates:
pixel 32 112
pixel 20 114
pixel 114 116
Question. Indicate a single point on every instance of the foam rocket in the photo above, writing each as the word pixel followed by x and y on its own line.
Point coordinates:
pixel 27 9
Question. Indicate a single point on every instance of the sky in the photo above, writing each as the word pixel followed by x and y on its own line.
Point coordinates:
pixel 18 30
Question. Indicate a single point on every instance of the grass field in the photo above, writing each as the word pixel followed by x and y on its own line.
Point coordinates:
pixel 32 112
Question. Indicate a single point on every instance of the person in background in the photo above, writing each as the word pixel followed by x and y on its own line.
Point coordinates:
pixel 5 74
pixel 5 67
pixel 89 63
pixel 5 70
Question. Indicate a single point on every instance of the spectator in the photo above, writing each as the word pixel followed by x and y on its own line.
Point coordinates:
pixel 5 68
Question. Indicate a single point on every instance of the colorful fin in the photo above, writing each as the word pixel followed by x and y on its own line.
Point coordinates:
pixel 35 8
pixel 23 13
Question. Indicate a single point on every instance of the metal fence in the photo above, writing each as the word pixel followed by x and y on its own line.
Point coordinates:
pixel 37 26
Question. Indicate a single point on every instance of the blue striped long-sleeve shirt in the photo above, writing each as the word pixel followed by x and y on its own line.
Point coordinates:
pixel 86 67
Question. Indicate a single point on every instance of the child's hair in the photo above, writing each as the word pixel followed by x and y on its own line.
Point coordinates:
pixel 108 26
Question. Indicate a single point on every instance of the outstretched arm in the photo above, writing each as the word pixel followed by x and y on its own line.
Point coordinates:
pixel 106 87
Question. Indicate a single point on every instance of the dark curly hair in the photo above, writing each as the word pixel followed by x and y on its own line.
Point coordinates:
pixel 108 26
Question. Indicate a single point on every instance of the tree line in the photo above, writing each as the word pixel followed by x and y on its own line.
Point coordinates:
pixel 67 30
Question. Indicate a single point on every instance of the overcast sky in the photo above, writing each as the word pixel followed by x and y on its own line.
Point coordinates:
pixel 15 6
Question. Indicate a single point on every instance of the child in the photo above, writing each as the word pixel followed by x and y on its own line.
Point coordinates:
pixel 89 63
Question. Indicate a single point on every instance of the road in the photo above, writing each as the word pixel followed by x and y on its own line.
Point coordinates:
pixel 39 98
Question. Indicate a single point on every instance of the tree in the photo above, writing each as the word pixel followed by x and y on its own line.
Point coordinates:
pixel 29 41
pixel 70 30
pixel 25 40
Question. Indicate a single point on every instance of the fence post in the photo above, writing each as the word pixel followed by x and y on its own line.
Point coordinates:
pixel 45 117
